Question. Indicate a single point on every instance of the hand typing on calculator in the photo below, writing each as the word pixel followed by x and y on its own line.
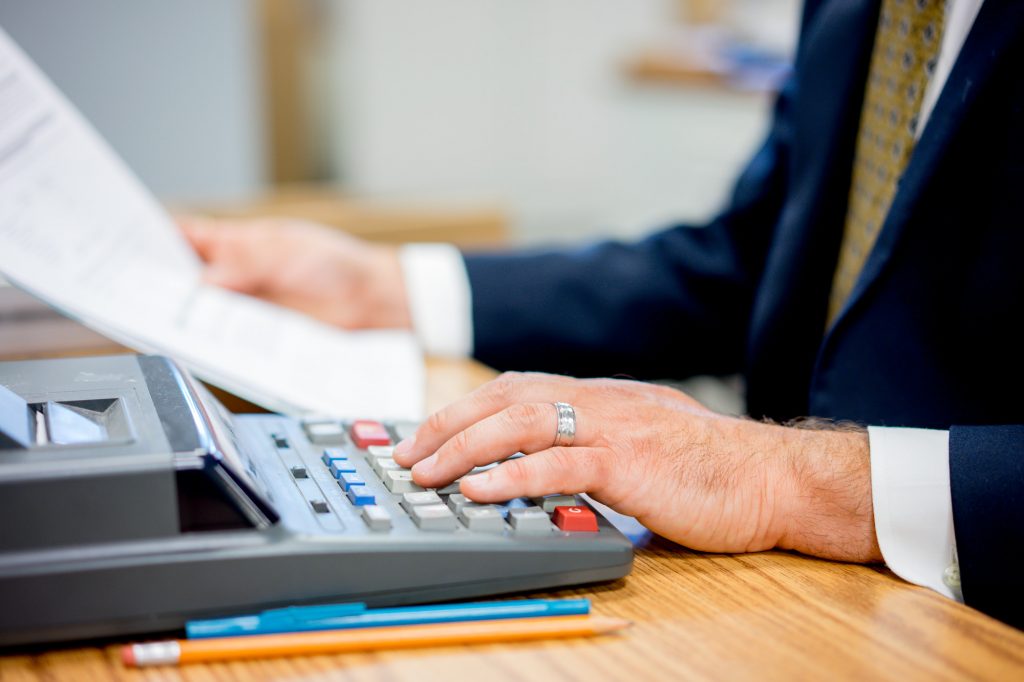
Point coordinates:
pixel 705 480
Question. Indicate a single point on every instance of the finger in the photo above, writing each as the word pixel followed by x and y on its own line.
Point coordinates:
pixel 489 399
pixel 199 233
pixel 234 275
pixel 523 427
pixel 564 470
pixel 238 257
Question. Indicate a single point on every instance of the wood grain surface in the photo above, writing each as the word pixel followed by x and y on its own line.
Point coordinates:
pixel 774 616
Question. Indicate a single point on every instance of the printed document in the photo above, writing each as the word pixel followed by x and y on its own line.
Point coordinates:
pixel 78 230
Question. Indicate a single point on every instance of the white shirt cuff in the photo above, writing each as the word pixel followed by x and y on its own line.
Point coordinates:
pixel 913 504
pixel 439 298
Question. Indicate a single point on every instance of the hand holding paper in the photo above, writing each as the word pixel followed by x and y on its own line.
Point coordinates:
pixel 78 230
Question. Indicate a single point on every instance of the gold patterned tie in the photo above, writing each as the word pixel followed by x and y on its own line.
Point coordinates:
pixel 902 61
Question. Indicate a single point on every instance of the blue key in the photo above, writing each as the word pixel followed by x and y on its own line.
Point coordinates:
pixel 332 454
pixel 359 496
pixel 346 481
pixel 341 466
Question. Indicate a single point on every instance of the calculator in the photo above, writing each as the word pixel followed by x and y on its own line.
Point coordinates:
pixel 133 502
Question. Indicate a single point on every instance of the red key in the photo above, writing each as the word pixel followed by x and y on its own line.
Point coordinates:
pixel 575 519
pixel 366 433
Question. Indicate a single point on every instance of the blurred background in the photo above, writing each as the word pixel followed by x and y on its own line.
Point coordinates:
pixel 477 121
pixel 486 123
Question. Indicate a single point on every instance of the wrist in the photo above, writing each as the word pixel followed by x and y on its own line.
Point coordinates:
pixel 827 489
pixel 386 291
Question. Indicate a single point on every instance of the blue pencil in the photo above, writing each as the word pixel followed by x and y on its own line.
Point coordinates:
pixel 343 616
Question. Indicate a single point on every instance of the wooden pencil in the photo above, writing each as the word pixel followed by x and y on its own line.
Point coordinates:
pixel 176 652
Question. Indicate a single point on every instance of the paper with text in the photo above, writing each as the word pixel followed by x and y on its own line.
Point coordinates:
pixel 78 230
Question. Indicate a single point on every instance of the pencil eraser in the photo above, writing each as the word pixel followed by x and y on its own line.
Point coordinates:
pixel 128 655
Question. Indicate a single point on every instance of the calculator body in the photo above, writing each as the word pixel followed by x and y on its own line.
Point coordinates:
pixel 138 503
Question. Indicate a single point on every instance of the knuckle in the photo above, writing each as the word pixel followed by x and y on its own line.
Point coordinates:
pixel 435 423
pixel 561 461
pixel 505 387
pixel 598 470
pixel 516 472
pixel 458 445
pixel 522 416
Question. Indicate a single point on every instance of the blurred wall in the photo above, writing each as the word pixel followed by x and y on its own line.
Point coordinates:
pixel 527 102
pixel 174 86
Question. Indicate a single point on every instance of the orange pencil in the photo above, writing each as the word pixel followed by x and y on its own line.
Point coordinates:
pixel 366 639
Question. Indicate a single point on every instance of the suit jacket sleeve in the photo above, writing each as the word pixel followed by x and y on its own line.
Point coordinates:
pixel 986 470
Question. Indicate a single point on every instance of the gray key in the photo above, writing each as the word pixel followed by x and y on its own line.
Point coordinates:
pixel 483 518
pixel 410 500
pixel 381 450
pixel 549 503
pixel 433 517
pixel 400 481
pixel 449 489
pixel 530 521
pixel 324 433
pixel 382 464
pixel 376 517
pixel 405 429
pixel 458 502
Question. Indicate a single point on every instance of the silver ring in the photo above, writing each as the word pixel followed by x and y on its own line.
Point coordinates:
pixel 565 433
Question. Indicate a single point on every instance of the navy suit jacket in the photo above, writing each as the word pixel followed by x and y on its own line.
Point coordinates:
pixel 929 336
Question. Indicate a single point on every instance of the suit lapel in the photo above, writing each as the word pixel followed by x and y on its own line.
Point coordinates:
pixel 998 22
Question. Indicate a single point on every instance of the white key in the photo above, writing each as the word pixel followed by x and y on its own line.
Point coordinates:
pixel 530 521
pixel 433 517
pixel 410 500
pixel 549 503
pixel 381 450
pixel 483 518
pixel 400 481
pixel 376 517
pixel 324 433
pixel 382 464
pixel 458 502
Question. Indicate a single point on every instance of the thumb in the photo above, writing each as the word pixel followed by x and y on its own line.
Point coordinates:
pixel 230 276
pixel 200 235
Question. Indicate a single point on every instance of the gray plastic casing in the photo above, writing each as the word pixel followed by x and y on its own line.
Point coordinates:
pixel 91 545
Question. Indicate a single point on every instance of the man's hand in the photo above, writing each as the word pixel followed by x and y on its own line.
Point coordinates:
pixel 323 272
pixel 707 481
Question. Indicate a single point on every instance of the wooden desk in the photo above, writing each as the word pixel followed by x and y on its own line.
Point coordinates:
pixel 697 616
pixel 470 226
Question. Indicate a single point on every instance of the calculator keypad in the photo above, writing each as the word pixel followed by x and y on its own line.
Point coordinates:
pixel 365 433
pixel 376 517
pixel 483 518
pixel 400 481
pixel 433 517
pixel 530 521
pixel 410 500
pixel 437 510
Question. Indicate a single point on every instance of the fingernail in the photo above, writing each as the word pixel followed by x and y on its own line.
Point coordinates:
pixel 425 465
pixel 405 446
